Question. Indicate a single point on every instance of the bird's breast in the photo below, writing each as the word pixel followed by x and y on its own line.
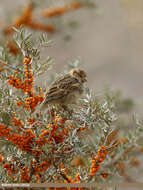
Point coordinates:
pixel 73 97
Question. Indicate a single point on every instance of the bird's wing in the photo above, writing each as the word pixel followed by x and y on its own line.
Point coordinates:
pixel 62 87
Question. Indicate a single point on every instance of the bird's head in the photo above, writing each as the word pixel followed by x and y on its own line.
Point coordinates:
pixel 79 74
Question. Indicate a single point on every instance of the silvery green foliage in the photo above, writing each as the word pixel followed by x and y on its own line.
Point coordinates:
pixel 96 114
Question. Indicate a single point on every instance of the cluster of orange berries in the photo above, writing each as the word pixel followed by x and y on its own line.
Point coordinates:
pixel 28 80
pixel 38 177
pixel 52 137
pixel 20 102
pixel 1 158
pixel 59 119
pixel 104 174
pixel 37 152
pixel 24 141
pixel 24 174
pixel 61 10
pixel 27 86
pixel 17 122
pixel 26 19
pixel 44 133
pixel 96 161
pixel 42 166
pixel 31 102
pixel 40 142
pixel 69 179
pixel 55 131
pixel 4 131
pixel 10 168
pixel 76 179
pixel 16 82
pixel 30 121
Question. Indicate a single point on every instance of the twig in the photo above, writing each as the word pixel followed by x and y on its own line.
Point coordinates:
pixel 42 103
pixel 3 63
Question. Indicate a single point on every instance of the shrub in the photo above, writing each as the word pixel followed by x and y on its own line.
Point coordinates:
pixel 50 145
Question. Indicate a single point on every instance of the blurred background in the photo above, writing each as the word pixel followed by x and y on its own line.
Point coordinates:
pixel 108 38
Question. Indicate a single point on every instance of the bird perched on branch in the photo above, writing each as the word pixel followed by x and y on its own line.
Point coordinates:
pixel 66 89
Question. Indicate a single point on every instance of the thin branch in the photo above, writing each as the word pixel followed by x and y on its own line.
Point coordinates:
pixel 3 63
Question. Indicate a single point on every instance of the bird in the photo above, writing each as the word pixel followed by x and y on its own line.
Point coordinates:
pixel 66 89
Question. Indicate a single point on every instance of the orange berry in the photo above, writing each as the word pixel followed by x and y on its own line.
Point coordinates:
pixel 1 158
pixel 27 60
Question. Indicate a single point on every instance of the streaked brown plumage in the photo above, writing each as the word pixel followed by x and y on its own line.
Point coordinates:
pixel 66 89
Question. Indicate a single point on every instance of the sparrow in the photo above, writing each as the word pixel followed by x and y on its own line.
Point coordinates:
pixel 67 89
